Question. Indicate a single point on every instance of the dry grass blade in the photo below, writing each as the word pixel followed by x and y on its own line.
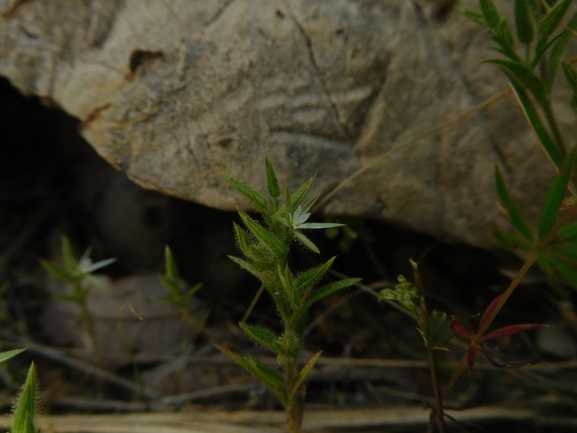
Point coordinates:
pixel 416 138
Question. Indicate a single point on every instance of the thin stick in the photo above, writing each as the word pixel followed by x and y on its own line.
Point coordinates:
pixel 253 303
pixel 89 368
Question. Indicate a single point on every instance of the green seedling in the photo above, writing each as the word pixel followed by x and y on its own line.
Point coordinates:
pixel 176 296
pixel 266 245
pixel 79 274
pixel 433 327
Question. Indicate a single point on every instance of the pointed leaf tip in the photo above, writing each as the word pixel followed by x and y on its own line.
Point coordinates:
pixel 272 183
pixel 507 331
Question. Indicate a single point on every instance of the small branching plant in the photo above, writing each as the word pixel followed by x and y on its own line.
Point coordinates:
pixel 433 327
pixel 79 274
pixel 178 298
pixel 266 246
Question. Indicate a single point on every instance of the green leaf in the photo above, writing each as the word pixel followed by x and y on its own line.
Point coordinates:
pixel 525 75
pixel 191 292
pixel 310 226
pixel 24 412
pixel 567 273
pixel 558 51
pixel 510 206
pixel 261 336
pixel 97 265
pixel 490 13
pixel 545 265
pixel 57 271
pixel 552 20
pixel 568 233
pixel 439 332
pixel 5 356
pixel 270 282
pixel 69 259
pixel 302 192
pixel 252 196
pixel 244 241
pixel 555 196
pixel 273 188
pixel 566 250
pixel 301 377
pixel 263 235
pixel 502 35
pixel 573 102
pixel 511 241
pixel 405 293
pixel 91 280
pixel 171 270
pixel 271 379
pixel 306 281
pixel 523 22
pixel 328 290
pixel 507 52
pixel 474 16
pixel 306 242
pixel 554 153
pixel 287 283
pixel 571 75
pixel 542 45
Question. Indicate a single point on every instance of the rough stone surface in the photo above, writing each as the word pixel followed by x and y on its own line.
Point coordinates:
pixel 172 91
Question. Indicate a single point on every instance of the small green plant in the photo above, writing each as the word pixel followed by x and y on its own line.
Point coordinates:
pixel 265 246
pixel 79 274
pixel 433 327
pixel 176 296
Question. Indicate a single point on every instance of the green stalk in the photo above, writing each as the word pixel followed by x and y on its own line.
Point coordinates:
pixel 424 325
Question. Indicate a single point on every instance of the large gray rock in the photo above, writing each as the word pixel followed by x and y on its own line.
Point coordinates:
pixel 172 91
